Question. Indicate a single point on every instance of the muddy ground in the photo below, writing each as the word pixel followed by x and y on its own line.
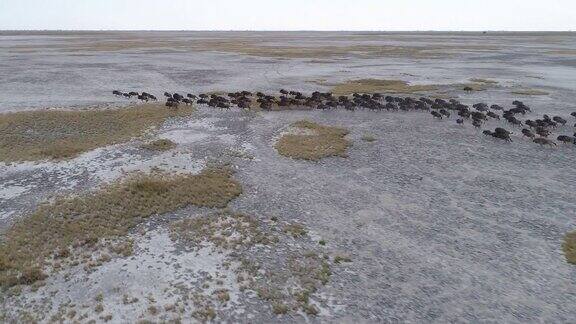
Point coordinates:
pixel 431 222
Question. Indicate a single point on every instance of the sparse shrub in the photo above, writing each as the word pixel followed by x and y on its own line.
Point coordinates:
pixel 160 145
pixel 368 138
pixel 342 258
pixel 153 310
pixel 30 275
pixel 296 230
pixel 279 308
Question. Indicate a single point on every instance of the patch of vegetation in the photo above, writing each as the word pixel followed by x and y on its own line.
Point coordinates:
pixel 569 247
pixel 295 230
pixel 368 138
pixel 486 81
pixel 315 142
pixel 160 145
pixel 226 231
pixel 530 92
pixel 59 134
pixel 81 221
pixel 342 258
pixel 249 47
pixel 291 279
pixel 379 86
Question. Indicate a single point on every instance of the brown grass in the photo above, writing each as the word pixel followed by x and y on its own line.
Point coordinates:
pixel 486 81
pixel 379 86
pixel 569 247
pixel 530 92
pixel 160 145
pixel 320 142
pixel 319 51
pixel 368 138
pixel 107 213
pixel 57 134
pixel 226 231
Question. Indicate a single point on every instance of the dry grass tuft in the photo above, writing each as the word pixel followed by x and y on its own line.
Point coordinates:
pixel 108 213
pixel 315 142
pixel 58 134
pixel 569 247
pixel 486 81
pixel 530 92
pixel 368 138
pixel 160 145
pixel 379 86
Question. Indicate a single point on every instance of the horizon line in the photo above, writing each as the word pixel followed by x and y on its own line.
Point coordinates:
pixel 295 30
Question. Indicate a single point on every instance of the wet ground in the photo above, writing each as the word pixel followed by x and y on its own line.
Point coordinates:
pixel 441 223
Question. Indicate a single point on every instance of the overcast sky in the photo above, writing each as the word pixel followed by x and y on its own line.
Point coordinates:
pixel 289 14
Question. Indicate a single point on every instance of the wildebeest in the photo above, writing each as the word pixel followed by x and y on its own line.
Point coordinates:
pixel 565 139
pixel 480 106
pixel 117 93
pixel 526 132
pixel 477 123
pixel 133 93
pixel 487 132
pixel 460 121
pixel 544 141
pixel 493 115
pixel 445 112
pixel 559 120
pixel 436 114
pixel 504 136
pixel 542 131
pixel 514 121
pixel 502 131
pixel 167 95
pixel 496 107
pixel 187 101
pixel 573 114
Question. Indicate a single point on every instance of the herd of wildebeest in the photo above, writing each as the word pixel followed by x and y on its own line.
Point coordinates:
pixel 538 130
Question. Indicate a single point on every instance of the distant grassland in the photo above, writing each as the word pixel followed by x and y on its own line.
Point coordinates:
pixel 53 134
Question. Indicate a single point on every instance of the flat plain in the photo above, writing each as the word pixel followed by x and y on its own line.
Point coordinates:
pixel 201 214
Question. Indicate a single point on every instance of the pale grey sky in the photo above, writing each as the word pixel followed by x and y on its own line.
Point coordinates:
pixel 289 14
